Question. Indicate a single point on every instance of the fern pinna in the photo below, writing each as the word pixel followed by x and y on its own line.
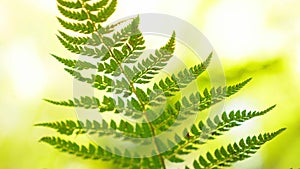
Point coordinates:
pixel 121 70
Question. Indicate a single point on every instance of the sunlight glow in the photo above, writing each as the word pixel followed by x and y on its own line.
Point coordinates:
pixel 170 7
pixel 297 62
pixel 26 69
pixel 235 27
pixel 48 6
pixel 4 21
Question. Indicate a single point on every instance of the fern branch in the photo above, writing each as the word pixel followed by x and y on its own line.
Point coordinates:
pixel 117 53
pixel 86 27
pixel 123 130
pixel 133 48
pixel 96 6
pixel 79 16
pixel 96 152
pixel 169 86
pixel 151 65
pixel 128 31
pixel 76 64
pixel 69 4
pixel 83 101
pixel 70 47
pixel 73 39
pixel 104 83
pixel 234 89
pixel 201 133
pixel 194 104
pixel 226 122
pixel 235 152
pixel 132 108
pixel 104 13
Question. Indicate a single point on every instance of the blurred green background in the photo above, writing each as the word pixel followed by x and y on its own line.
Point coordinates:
pixel 253 38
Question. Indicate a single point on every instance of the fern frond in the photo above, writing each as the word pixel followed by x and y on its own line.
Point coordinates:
pixel 133 48
pixel 169 86
pixel 78 16
pixel 96 52
pixel 67 62
pixel 98 153
pixel 132 108
pixel 70 4
pixel 224 123
pixel 151 65
pixel 127 31
pixel 96 6
pixel 131 41
pixel 104 83
pixel 123 130
pixel 110 28
pixel 235 88
pixel 203 132
pixel 73 39
pixel 70 47
pixel 216 95
pixel 235 152
pixel 83 101
pixel 67 128
pixel 118 72
pixel 104 13
pixel 86 27
pixel 194 104
pixel 108 11
pixel 97 81
pixel 76 64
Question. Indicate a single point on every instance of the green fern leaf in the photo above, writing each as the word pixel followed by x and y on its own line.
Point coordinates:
pixel 74 40
pixel 96 152
pixel 86 102
pixel 201 133
pixel 234 152
pixel 128 31
pixel 96 6
pixel 194 104
pixel 85 28
pixel 79 16
pixel 234 89
pixel 68 62
pixel 226 122
pixel 104 83
pixel 72 48
pixel 118 72
pixel 105 13
pixel 76 64
pixel 69 4
pixel 169 86
pixel 151 65
pixel 124 130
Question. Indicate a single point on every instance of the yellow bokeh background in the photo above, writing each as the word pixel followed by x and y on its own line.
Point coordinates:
pixel 253 38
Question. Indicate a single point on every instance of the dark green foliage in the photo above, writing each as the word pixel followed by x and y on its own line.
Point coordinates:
pixel 120 72
pixel 238 151
pixel 69 4
pixel 201 133
pixel 98 153
pixel 151 66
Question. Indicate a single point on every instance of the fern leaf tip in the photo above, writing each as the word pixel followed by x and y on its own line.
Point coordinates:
pixel 248 80
pixel 272 107
pixel 281 130
pixel 174 33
